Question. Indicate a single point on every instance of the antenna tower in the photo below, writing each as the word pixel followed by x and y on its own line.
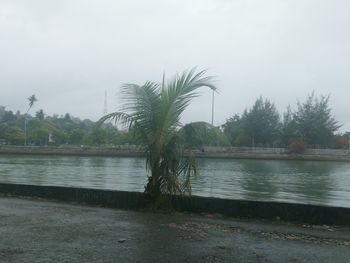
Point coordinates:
pixel 105 111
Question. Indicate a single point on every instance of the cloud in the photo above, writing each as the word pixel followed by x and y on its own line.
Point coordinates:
pixel 69 52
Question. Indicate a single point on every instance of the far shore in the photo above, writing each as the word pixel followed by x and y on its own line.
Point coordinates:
pixel 206 152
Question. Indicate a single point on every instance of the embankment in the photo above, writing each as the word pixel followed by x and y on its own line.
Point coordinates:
pixel 206 152
pixel 73 151
pixel 304 213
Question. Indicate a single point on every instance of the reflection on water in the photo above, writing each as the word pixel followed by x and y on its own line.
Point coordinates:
pixel 260 183
pixel 289 181
pixel 314 179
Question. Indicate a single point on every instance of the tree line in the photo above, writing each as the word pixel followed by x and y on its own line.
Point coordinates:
pixel 311 124
pixel 43 130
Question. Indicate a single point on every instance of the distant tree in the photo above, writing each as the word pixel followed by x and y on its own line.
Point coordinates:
pixel 97 136
pixel 67 117
pixel 199 134
pixel 123 138
pixel 59 136
pixel 262 122
pixel 289 130
pixel 233 129
pixel 39 135
pixel 40 115
pixel 2 111
pixel 14 135
pixel 8 117
pixel 76 136
pixel 314 121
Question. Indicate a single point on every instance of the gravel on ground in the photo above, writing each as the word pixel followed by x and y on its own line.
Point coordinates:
pixel 34 230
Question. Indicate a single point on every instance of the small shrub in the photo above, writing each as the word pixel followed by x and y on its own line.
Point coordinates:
pixel 342 142
pixel 297 146
pixel 242 140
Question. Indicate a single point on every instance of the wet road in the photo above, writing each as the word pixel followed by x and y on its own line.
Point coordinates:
pixel 43 231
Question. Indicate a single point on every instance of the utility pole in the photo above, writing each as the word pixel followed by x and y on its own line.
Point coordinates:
pixel 25 129
pixel 105 111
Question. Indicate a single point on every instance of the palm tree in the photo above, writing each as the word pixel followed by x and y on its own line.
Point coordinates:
pixel 32 99
pixel 153 112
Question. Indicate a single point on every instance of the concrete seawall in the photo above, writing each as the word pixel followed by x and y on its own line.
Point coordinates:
pixel 311 214
pixel 71 151
pixel 208 152
pixel 277 156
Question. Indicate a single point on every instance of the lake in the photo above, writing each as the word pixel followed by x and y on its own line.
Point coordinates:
pixel 310 182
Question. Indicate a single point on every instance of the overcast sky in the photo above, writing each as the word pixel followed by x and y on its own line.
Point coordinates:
pixel 68 53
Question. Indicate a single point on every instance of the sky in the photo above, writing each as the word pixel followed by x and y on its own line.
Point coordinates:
pixel 70 52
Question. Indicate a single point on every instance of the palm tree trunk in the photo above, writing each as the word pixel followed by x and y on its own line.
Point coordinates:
pixel 153 185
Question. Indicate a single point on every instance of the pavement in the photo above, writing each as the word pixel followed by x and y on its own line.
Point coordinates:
pixel 34 230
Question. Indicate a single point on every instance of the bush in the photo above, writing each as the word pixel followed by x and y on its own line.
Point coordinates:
pixel 297 146
pixel 242 140
pixel 342 142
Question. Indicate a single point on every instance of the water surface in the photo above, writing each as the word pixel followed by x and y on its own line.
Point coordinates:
pixel 313 182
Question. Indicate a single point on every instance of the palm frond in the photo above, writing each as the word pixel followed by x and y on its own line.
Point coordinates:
pixel 122 117
pixel 175 99
pixel 32 99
